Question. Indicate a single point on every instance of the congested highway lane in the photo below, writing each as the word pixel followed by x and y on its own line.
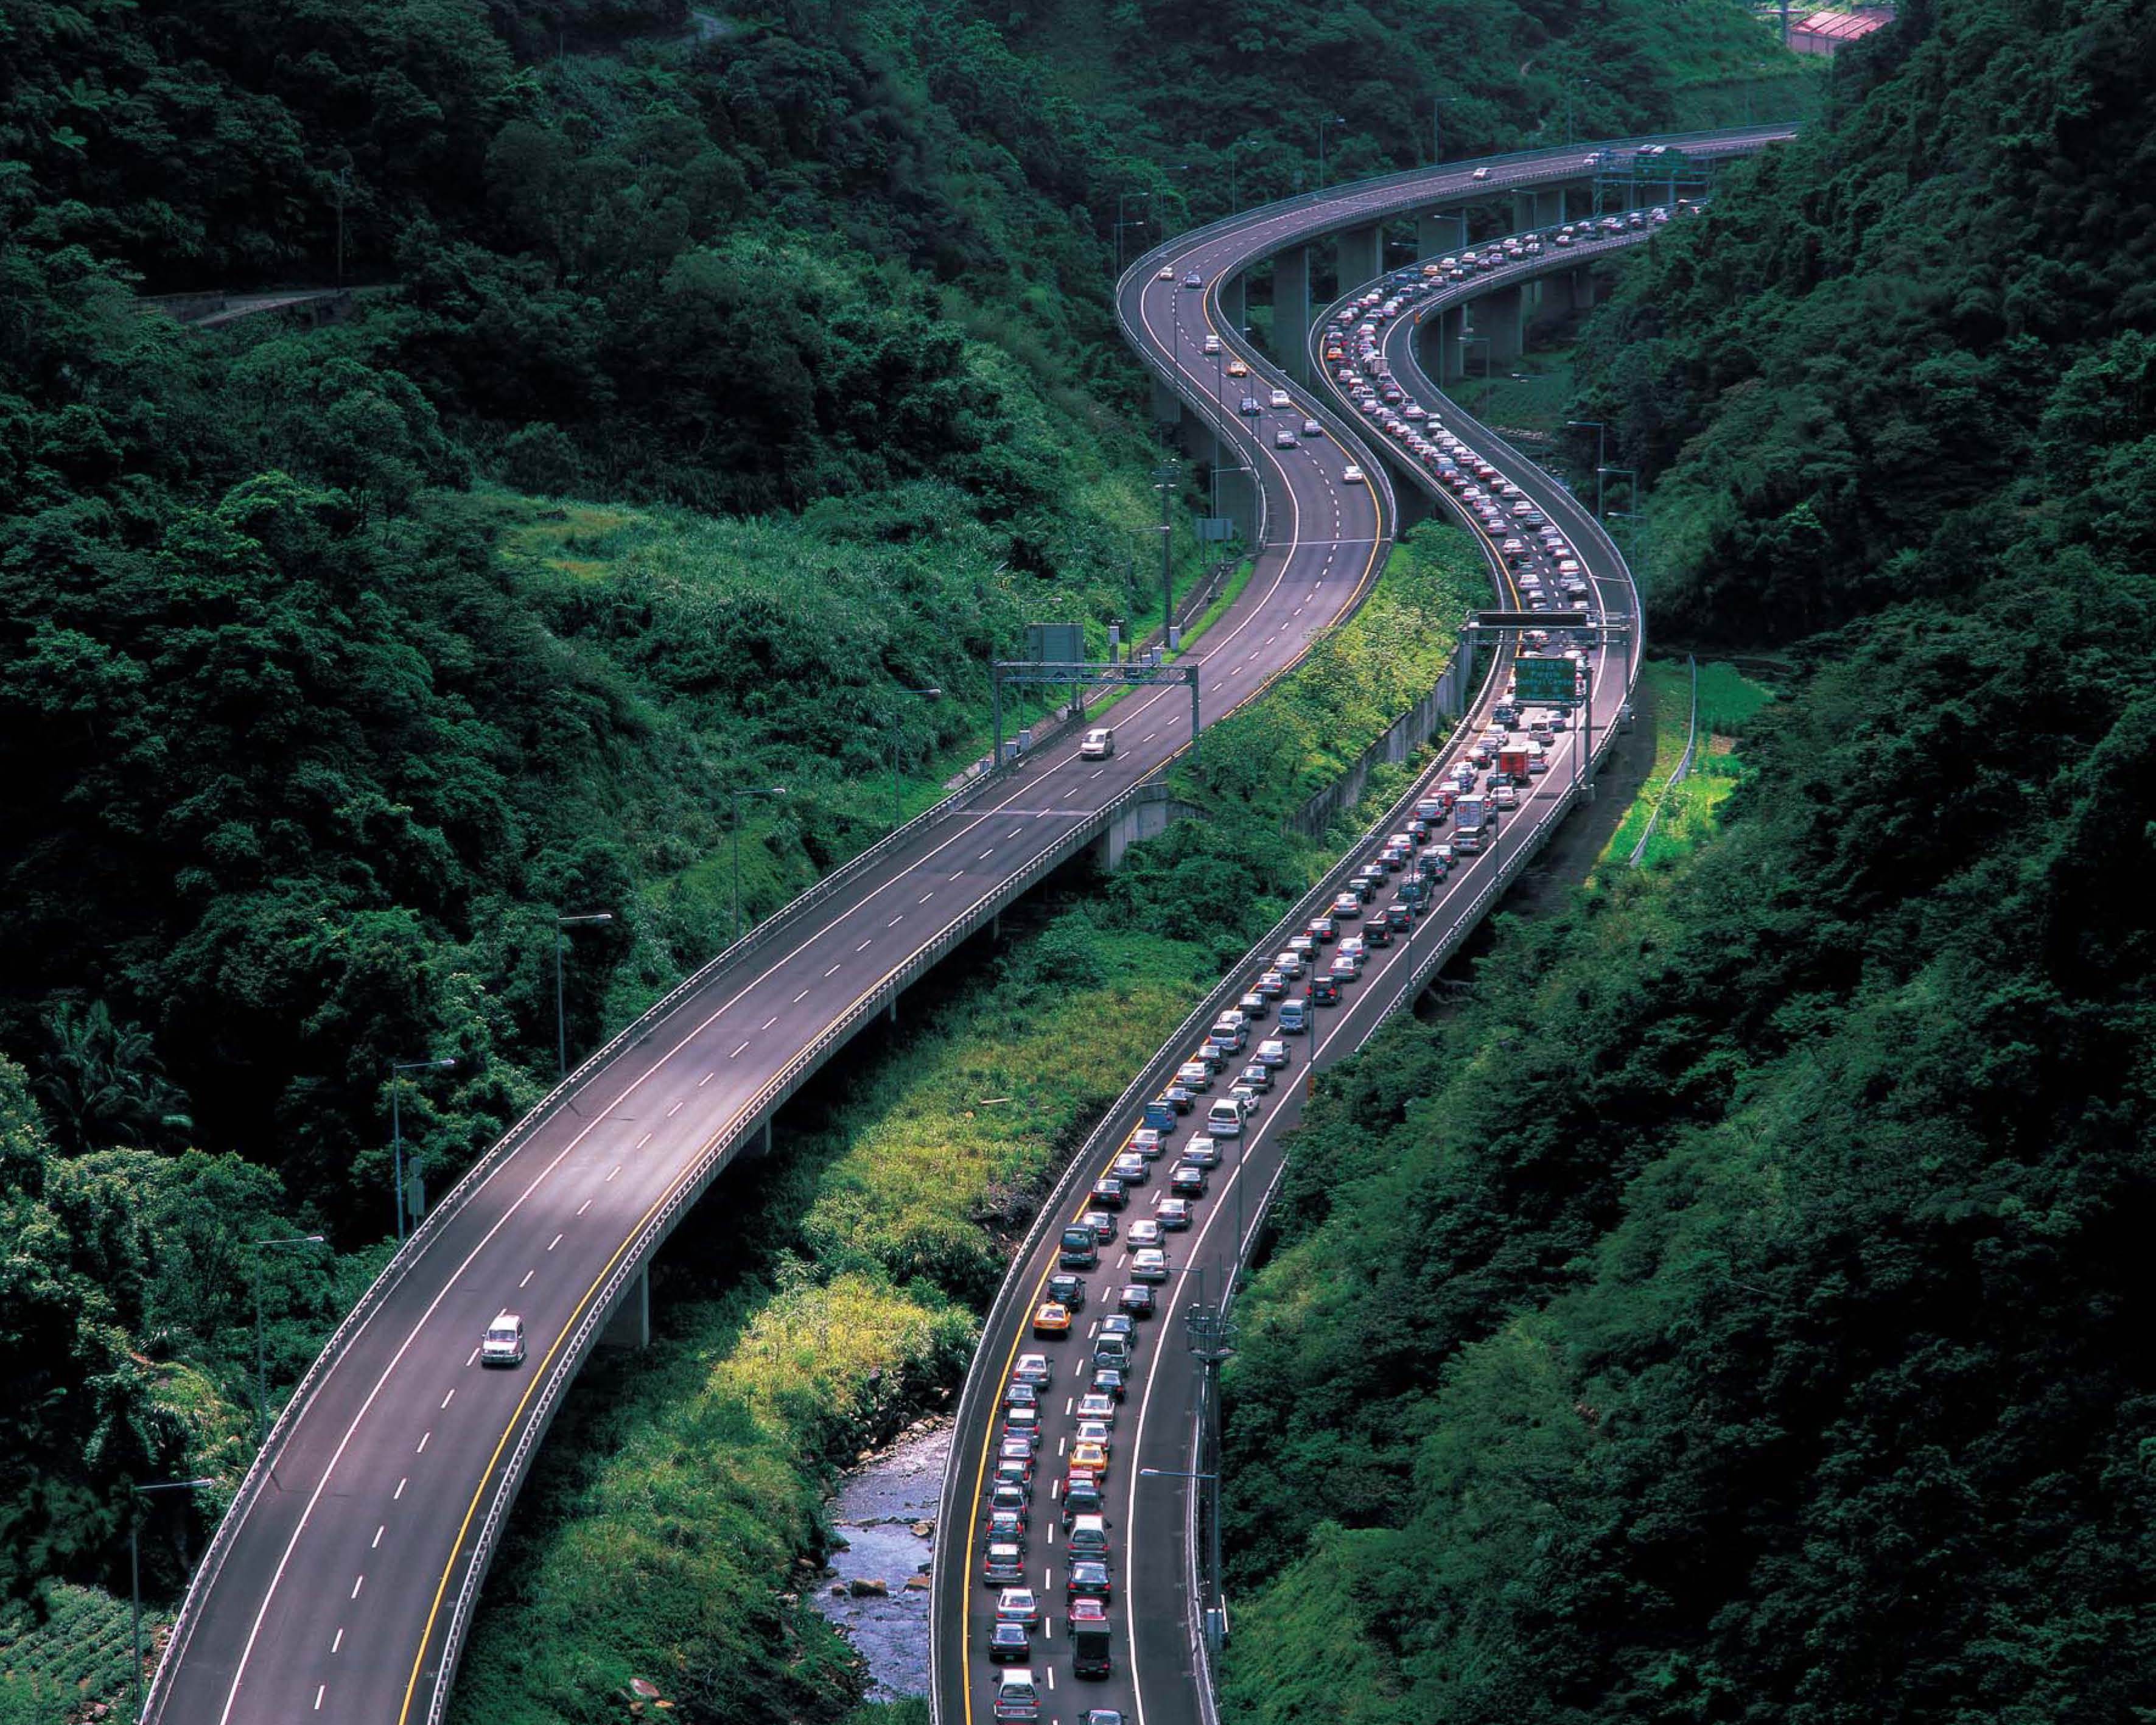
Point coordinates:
pixel 333 1591
pixel 1155 1632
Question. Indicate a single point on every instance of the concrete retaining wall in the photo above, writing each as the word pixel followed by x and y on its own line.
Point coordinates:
pixel 1414 728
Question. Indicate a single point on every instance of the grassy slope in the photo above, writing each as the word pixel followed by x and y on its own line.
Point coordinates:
pixel 672 1505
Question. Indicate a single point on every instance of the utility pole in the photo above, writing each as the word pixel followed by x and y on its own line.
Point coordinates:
pixel 135 1569
pixel 343 183
pixel 1601 455
pixel 1163 479
pixel 1336 120
pixel 1437 106
pixel 926 694
pixel 734 794
pixel 561 1014
pixel 397 1069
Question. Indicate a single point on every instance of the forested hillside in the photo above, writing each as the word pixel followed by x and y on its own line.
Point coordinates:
pixel 1726 1313
pixel 720 377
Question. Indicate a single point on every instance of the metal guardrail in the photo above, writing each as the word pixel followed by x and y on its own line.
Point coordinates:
pixel 453 1201
pixel 1677 774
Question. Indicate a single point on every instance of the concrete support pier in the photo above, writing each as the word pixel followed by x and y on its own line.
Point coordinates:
pixel 1291 311
pixel 1440 233
pixel 1362 255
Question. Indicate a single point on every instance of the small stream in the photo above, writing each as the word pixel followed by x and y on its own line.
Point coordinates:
pixel 878 1508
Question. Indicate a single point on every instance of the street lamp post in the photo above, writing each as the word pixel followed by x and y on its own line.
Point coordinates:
pixel 1631 474
pixel 1322 127
pixel 1123 199
pixel 735 793
pixel 1438 105
pixel 926 694
pixel 1234 203
pixel 261 1354
pixel 1482 408
pixel 1163 479
pixel 1212 1340
pixel 397 1070
pixel 135 1570
pixel 561 1011
pixel 1601 453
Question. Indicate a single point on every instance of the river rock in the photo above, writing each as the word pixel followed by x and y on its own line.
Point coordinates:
pixel 917 1584
pixel 919 1530
pixel 644 1688
pixel 838 1590
pixel 865 1587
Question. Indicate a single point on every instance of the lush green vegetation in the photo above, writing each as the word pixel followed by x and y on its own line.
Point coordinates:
pixel 1725 1313
pixel 730 383
pixel 882 1226
pixel 1727 699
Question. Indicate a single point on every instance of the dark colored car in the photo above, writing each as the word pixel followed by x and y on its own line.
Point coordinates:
pixel 1188 1180
pixel 1108 1380
pixel 1088 1579
pixel 1108 1193
pixel 1082 1498
pixel 1136 1299
pixel 1068 1288
pixel 1377 933
pixel 1399 918
pixel 1324 991
pixel 1010 1644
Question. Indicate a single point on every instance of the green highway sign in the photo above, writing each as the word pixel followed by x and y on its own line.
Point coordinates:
pixel 1544 682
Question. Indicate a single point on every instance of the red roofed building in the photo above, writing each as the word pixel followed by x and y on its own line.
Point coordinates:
pixel 1828 32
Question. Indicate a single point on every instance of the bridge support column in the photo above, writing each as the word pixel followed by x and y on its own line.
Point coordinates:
pixel 1167 405
pixel 1556 293
pixel 1440 233
pixel 1542 206
pixel 1231 304
pixel 1582 289
pixel 630 1326
pixel 1440 337
pixel 1361 256
pixel 1291 311
pixel 1498 315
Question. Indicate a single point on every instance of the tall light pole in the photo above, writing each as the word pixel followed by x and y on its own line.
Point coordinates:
pixel 926 694
pixel 1234 203
pixel 561 1009
pixel 1601 453
pixel 1212 1340
pixel 735 794
pixel 1482 408
pixel 1123 199
pixel 1323 125
pixel 1163 481
pixel 1438 105
pixel 397 1069
pixel 1632 496
pixel 261 1354
pixel 135 1569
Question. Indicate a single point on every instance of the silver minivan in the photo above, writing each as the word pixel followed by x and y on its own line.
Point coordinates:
pixel 1018 1696
pixel 1224 1118
pixel 1089 1537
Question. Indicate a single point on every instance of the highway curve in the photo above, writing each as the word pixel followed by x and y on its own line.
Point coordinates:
pixel 341 1583
pixel 1158 1660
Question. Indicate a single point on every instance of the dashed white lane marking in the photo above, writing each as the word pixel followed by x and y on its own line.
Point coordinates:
pixel 804 995
pixel 584 1206
pixel 339 1642
pixel 924 898
pixel 320 1690
pixel 767 1024
pixel 1149 737
pixel 1051 1532
pixel 1097 775
pixel 554 1242
pixel 446 1399
pixel 896 921
pixel 709 1076
pixel 473 1359
pixel 377 1544
pixel 357 1585
pixel 737 1054
pixel 676 1108
pixel 609 1181
pixel 986 855
pixel 529 1274
pixel 421 1450
pixel 642 1141
pixel 399 1491
pixel 832 972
